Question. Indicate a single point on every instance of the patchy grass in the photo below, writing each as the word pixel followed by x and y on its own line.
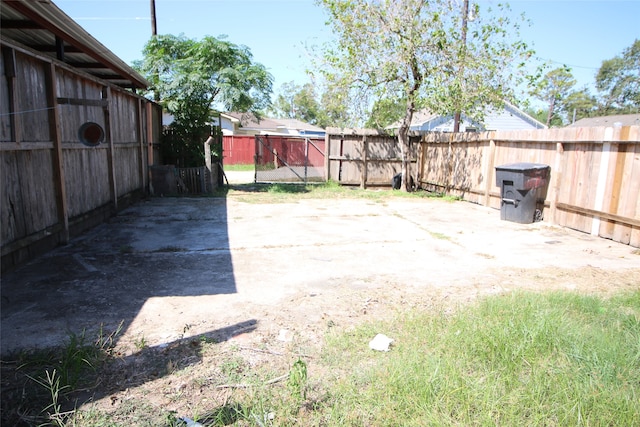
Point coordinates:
pixel 515 359
pixel 239 168
pixel 520 359
pixel 41 386
pixel 286 193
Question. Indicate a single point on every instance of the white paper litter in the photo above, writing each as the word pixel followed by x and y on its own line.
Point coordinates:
pixel 380 342
pixel 285 335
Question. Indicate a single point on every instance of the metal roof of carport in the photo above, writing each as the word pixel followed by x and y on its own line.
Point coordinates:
pixel 40 25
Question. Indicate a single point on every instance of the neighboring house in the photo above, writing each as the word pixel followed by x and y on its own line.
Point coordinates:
pixel 623 119
pixel 76 141
pixel 509 118
pixel 247 124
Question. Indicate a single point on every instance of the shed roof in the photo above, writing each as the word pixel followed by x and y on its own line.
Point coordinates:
pixel 623 119
pixel 41 26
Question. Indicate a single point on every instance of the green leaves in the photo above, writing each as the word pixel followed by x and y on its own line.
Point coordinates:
pixel 192 77
pixel 618 80
pixel 422 50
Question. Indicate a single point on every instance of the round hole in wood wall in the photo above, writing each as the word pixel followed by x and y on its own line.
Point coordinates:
pixel 91 134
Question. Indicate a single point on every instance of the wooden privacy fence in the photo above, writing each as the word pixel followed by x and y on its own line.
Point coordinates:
pixel 56 181
pixel 594 182
pixel 595 173
pixel 363 156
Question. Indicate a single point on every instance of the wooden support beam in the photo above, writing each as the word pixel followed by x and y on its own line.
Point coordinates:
pixel 84 102
pixel 600 214
pixel 19 24
pixel 150 160
pixel 108 130
pixel 82 65
pixel 58 163
pixel 9 57
pixel 59 49
pixel 140 136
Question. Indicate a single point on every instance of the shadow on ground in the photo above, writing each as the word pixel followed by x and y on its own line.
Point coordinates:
pixel 99 283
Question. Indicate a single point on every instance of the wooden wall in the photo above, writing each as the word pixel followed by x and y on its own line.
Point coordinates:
pixel 52 185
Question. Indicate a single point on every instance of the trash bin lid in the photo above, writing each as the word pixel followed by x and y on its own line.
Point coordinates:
pixel 522 166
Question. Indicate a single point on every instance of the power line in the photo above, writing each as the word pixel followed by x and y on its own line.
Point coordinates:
pixel 568 65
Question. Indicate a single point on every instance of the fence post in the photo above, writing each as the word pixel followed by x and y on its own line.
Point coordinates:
pixel 150 159
pixel 327 153
pixel 489 172
pixel 306 158
pixel 363 175
pixel 447 187
pixel 556 179
pixel 213 181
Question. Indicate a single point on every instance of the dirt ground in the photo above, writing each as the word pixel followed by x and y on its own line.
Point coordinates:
pixel 272 276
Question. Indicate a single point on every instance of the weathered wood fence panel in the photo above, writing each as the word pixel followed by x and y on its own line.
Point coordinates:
pixel 86 179
pixel 363 157
pixel 27 212
pixel 54 185
pixel 595 173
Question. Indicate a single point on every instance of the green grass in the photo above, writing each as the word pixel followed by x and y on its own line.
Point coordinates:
pixel 241 168
pixel 43 379
pixel 518 359
pixel 283 192
pixel 522 359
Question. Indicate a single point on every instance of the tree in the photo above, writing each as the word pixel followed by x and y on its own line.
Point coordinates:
pixel 385 112
pixel 579 104
pixel 554 88
pixel 618 81
pixel 540 114
pixel 193 78
pixel 298 102
pixel 415 49
pixel 335 107
pixel 283 106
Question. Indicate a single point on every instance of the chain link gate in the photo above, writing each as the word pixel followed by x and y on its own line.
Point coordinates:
pixel 291 159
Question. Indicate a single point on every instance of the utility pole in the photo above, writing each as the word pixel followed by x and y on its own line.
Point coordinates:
pixel 154 32
pixel 154 28
pixel 465 15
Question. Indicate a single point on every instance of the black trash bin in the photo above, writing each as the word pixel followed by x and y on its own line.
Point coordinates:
pixel 523 188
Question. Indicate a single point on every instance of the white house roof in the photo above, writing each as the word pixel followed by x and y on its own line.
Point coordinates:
pixel 298 125
pixel 623 119
pixel 248 122
pixel 509 118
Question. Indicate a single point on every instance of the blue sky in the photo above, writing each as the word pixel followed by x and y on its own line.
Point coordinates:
pixel 578 33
